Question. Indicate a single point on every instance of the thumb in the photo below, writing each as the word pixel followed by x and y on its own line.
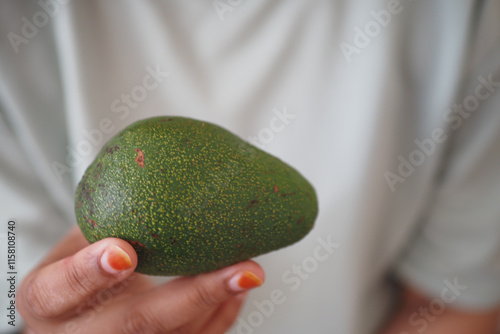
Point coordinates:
pixel 60 287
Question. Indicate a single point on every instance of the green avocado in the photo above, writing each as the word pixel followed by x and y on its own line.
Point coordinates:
pixel 191 197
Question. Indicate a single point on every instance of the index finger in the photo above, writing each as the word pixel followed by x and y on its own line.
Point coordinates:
pixel 177 303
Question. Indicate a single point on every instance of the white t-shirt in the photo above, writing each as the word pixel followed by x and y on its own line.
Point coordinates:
pixel 389 108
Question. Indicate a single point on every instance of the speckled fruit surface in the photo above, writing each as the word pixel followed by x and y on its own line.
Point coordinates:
pixel 191 197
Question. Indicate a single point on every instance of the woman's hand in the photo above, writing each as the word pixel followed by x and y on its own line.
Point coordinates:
pixel 82 288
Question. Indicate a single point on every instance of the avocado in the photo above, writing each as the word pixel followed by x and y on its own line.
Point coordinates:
pixel 191 197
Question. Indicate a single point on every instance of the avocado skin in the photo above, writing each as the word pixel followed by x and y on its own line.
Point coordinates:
pixel 191 197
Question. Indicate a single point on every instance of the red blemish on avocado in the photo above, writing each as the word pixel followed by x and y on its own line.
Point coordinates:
pixel 275 189
pixel 79 204
pixel 140 158
pixel 252 203
pixel 156 236
pixel 111 150
pixel 136 243
pixel 300 220
pixel 91 222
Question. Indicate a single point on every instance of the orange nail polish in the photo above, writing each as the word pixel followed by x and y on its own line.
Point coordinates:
pixel 115 260
pixel 244 281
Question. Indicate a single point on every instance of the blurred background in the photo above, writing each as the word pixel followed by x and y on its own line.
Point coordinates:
pixel 389 108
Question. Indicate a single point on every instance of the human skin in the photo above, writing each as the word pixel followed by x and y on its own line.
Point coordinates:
pixel 451 320
pixel 82 288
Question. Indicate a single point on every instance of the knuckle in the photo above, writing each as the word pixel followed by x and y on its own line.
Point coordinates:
pixel 141 321
pixel 202 297
pixel 38 301
pixel 79 281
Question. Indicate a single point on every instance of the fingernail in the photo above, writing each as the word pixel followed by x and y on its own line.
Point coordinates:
pixel 114 259
pixel 244 281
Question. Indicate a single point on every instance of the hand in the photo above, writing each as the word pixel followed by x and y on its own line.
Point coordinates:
pixel 82 288
pixel 417 314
